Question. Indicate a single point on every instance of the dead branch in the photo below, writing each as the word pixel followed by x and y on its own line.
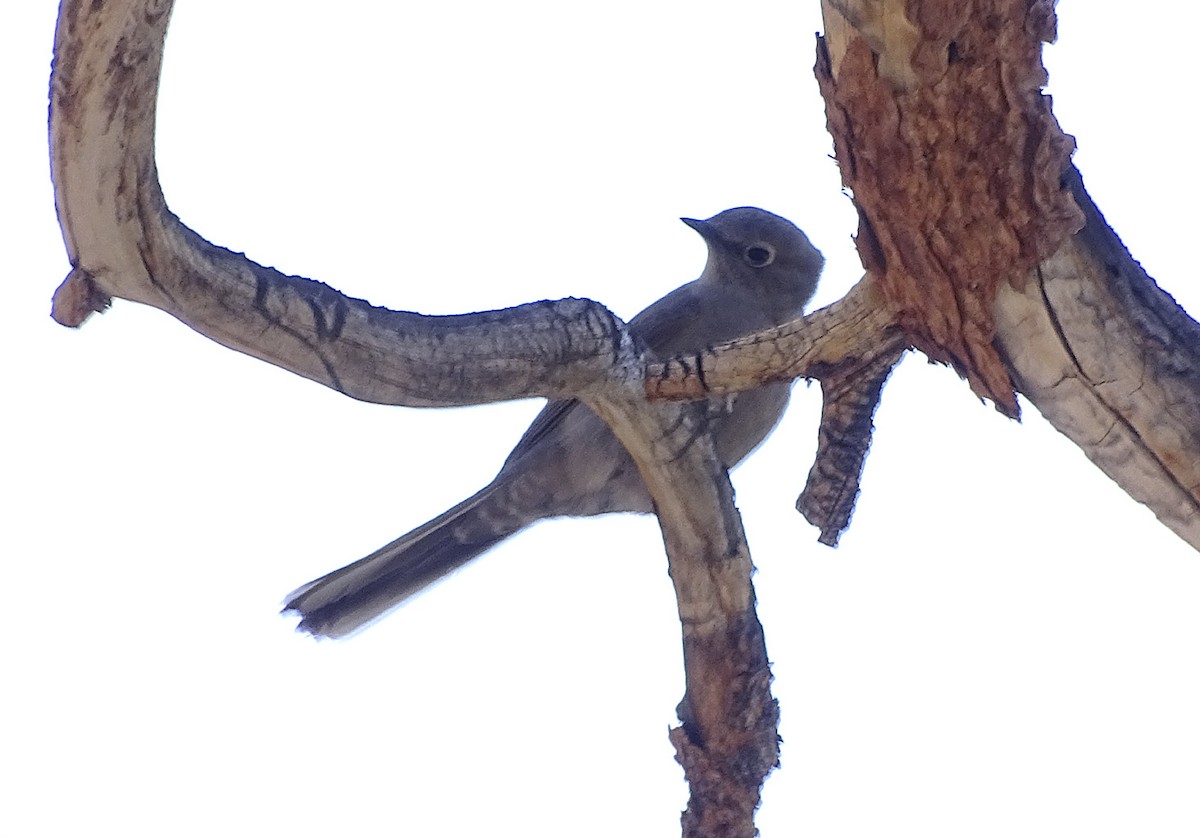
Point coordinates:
pixel 123 242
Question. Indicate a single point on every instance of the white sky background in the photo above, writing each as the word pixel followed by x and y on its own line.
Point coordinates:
pixel 1005 643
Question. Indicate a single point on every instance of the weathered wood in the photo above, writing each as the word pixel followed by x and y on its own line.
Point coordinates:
pixel 851 346
pixel 985 251
pixel 987 247
pixel 953 157
pixel 123 242
pixel 1114 364
pixel 728 741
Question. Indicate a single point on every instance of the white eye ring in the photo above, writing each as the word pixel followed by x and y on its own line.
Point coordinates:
pixel 759 255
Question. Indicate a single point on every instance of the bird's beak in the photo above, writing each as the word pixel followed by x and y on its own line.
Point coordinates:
pixel 708 232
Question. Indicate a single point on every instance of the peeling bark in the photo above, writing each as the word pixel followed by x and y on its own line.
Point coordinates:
pixel 954 159
pixel 728 741
pixel 847 411
pixel 986 252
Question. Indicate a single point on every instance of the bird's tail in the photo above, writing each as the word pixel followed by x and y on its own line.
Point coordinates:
pixel 340 603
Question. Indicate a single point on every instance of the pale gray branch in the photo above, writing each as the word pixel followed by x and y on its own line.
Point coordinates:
pixel 1113 363
pixel 124 242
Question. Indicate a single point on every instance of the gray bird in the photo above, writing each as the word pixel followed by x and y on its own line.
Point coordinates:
pixel 761 271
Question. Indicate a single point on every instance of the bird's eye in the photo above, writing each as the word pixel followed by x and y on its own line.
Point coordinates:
pixel 759 255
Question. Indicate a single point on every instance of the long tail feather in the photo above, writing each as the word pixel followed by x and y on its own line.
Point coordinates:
pixel 344 601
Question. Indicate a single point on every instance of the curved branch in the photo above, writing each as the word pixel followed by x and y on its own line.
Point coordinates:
pixel 123 241
pixel 1114 364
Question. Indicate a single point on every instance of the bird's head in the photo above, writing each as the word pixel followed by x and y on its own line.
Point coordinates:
pixel 760 250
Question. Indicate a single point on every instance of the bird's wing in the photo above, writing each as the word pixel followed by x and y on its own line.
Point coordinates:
pixel 692 318
pixel 544 424
pixel 672 324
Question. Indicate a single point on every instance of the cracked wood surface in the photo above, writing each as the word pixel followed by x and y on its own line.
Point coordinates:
pixel 124 242
pixel 1113 363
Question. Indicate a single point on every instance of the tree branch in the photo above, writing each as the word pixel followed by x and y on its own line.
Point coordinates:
pixel 728 741
pixel 1113 362
pixel 124 242
pixel 851 346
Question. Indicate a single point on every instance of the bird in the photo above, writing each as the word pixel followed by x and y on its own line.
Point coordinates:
pixel 761 271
